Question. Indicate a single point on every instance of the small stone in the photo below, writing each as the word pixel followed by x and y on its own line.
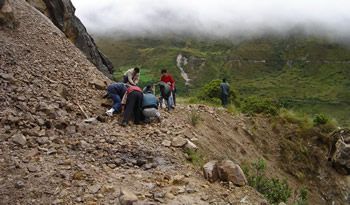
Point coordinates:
pixel 42 140
pixel 191 146
pixel 166 143
pixel 178 179
pixel 148 166
pixel 169 196
pixel 51 151
pixel 94 188
pixel 19 185
pixel 19 139
pixel 205 198
pixel 30 153
pixel 282 203
pixel 32 168
pixel 178 142
pixel 127 198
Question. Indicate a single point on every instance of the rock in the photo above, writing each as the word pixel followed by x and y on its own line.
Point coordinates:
pixel 42 140
pixel 178 179
pixel 6 13
pixel 98 84
pixel 19 185
pixel 19 139
pixel 94 188
pixel 341 156
pixel 189 145
pixel 265 202
pixel 178 142
pixel 30 153
pixel 166 143
pixel 169 196
pixel 282 203
pixel 127 197
pixel 210 171
pixel 63 91
pixel 229 171
pixel 32 168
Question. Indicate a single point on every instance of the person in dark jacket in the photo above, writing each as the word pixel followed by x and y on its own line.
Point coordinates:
pixel 224 92
pixel 116 92
pixel 131 103
pixel 150 104
pixel 166 94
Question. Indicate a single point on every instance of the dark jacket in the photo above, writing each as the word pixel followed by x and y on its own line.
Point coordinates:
pixel 149 101
pixel 117 89
pixel 167 90
pixel 224 89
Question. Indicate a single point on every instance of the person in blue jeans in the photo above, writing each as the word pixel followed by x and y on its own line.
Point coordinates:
pixel 116 92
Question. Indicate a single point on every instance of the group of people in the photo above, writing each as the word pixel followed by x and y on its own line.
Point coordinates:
pixel 128 98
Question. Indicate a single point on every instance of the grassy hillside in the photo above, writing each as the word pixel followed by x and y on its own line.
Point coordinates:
pixel 310 75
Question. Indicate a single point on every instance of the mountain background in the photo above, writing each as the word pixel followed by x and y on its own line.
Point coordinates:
pixel 307 74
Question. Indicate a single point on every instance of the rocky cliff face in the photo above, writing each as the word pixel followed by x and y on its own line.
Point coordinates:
pixel 62 14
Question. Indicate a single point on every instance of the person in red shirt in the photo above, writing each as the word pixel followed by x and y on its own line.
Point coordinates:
pixel 168 79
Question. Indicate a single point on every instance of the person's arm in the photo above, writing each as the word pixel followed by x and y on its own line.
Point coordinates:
pixel 130 79
pixel 124 99
pixel 137 78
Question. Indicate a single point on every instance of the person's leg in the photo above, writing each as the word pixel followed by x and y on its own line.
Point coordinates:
pixel 125 79
pixel 160 101
pixel 222 100
pixel 225 100
pixel 116 100
pixel 137 107
pixel 174 96
pixel 129 107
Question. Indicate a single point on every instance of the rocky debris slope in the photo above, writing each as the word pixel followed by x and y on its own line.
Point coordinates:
pixel 340 152
pixel 62 14
pixel 50 155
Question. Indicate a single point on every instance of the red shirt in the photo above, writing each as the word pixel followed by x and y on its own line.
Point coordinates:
pixel 168 80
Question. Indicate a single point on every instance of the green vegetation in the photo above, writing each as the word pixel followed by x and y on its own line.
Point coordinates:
pixel 256 105
pixel 272 188
pixel 194 118
pixel 195 156
pixel 304 74
pixel 321 119
pixel 301 198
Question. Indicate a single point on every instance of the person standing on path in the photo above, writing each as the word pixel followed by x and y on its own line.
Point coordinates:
pixel 168 79
pixel 131 103
pixel 132 76
pixel 116 92
pixel 224 92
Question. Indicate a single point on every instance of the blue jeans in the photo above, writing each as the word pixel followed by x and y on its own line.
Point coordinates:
pixel 168 102
pixel 116 100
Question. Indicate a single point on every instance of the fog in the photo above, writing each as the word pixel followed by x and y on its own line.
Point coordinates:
pixel 229 19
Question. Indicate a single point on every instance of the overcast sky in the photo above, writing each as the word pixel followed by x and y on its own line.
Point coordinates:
pixel 216 18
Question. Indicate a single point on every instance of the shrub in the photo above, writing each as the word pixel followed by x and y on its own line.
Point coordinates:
pixel 301 198
pixel 321 119
pixel 194 118
pixel 255 105
pixel 211 92
pixel 195 157
pixel 273 189
pixel 296 118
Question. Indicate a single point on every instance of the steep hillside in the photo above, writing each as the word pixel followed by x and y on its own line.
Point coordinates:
pixel 62 14
pixel 308 75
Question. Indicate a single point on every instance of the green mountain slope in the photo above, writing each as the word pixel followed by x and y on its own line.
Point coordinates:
pixel 310 75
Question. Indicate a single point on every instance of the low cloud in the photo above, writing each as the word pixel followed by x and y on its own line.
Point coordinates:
pixel 228 19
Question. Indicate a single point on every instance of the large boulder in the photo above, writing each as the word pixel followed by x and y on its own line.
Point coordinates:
pixel 210 171
pixel 229 171
pixel 62 14
pixel 340 152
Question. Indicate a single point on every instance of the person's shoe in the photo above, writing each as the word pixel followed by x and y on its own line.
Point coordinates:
pixel 172 106
pixel 123 124
pixel 109 113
